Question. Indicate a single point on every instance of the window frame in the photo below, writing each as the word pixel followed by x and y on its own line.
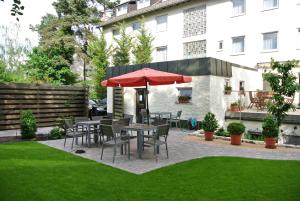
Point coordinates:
pixel 244 45
pixel 272 8
pixel 136 22
pixel 156 19
pixel 239 14
pixel 161 47
pixel 218 45
pixel 263 41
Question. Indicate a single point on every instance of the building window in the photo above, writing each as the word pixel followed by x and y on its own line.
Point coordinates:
pixel 194 21
pixel 238 44
pixel 143 4
pixel 270 41
pixel 136 26
pixel 194 49
pixel 270 4
pixel 298 45
pixel 220 45
pixel 239 7
pixel 161 23
pixel 242 86
pixel 161 53
pixel 115 32
pixel 122 9
pixel 185 94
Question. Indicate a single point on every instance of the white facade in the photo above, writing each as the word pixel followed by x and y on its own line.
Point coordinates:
pixel 244 32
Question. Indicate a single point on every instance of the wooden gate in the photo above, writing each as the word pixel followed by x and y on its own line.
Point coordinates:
pixel 118 102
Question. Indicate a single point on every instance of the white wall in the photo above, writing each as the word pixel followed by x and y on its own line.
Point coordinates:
pixel 221 25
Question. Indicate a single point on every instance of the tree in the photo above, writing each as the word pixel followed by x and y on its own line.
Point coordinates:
pixel 51 65
pixel 81 17
pixel 283 83
pixel 123 47
pixel 16 8
pixel 99 52
pixel 13 51
pixel 142 51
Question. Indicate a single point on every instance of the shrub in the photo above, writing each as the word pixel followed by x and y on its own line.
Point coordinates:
pixel 270 127
pixel 28 124
pixel 222 132
pixel 236 128
pixel 227 88
pixel 55 134
pixel 234 104
pixel 210 123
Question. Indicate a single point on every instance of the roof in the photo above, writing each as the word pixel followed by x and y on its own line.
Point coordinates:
pixel 190 67
pixel 149 9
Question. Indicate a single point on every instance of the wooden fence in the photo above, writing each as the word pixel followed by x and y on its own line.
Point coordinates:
pixel 48 103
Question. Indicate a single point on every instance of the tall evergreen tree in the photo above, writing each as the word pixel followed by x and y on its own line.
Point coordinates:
pixel 142 51
pixel 123 46
pixel 99 52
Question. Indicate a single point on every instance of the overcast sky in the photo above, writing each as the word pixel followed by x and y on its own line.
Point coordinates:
pixel 34 10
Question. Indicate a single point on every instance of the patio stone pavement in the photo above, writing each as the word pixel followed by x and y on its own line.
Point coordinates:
pixel 181 148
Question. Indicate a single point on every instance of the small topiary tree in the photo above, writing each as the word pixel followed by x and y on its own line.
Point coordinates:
pixel 210 123
pixel 283 83
pixel 55 133
pixel 236 128
pixel 270 127
pixel 28 124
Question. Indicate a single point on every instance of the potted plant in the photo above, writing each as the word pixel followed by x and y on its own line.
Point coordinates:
pixel 227 89
pixel 209 125
pixel 235 130
pixel 270 131
pixel 184 99
pixel 234 107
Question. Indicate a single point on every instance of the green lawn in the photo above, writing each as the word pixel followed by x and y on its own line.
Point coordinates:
pixel 30 171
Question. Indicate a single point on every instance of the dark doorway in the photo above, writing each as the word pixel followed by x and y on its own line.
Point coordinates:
pixel 140 103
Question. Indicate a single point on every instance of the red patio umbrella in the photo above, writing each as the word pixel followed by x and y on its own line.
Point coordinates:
pixel 145 77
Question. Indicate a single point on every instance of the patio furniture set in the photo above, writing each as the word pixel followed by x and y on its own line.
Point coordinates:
pixel 118 133
pixel 260 99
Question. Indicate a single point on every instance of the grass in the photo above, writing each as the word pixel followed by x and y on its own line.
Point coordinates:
pixel 30 171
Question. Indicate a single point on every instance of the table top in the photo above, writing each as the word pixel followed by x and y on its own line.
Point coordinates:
pixel 161 113
pixel 140 127
pixel 93 122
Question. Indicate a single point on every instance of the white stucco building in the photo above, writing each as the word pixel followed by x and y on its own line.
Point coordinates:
pixel 246 33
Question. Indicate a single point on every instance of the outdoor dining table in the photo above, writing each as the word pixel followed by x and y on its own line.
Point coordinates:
pixel 140 129
pixel 88 125
pixel 160 115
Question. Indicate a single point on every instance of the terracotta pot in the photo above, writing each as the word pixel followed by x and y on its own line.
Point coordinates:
pixel 227 92
pixel 234 108
pixel 270 142
pixel 236 139
pixel 209 136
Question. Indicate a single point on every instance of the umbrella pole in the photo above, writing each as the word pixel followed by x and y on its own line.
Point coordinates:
pixel 147 103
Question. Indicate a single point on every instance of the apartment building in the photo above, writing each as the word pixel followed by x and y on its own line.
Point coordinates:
pixel 244 33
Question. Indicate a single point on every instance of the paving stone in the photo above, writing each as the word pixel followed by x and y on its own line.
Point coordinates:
pixel 180 149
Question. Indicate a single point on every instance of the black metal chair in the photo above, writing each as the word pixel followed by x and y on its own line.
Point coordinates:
pixel 159 138
pixel 109 131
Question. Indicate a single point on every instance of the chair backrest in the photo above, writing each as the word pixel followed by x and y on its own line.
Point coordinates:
pixel 158 121
pixel 97 117
pixel 120 123
pixel 106 121
pixel 130 117
pixel 68 124
pixel 78 119
pixel 179 114
pixel 251 96
pixel 107 130
pixel 162 130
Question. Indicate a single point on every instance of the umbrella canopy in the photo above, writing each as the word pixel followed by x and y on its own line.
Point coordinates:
pixel 144 77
